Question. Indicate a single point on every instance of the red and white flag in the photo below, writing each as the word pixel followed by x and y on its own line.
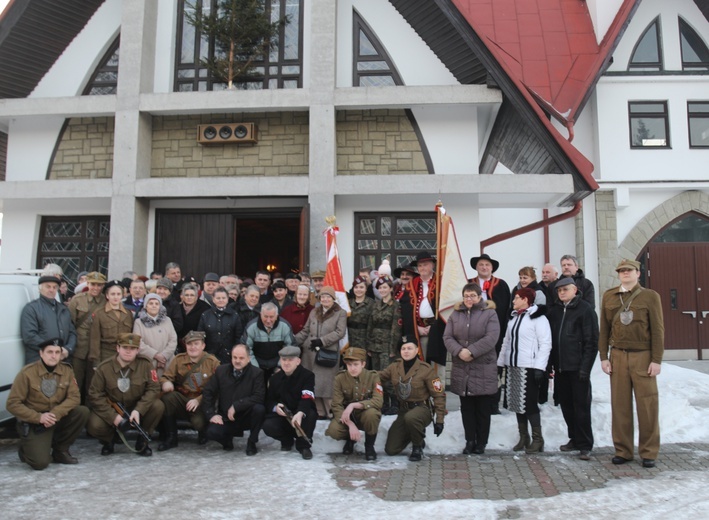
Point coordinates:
pixel 333 273
pixel 450 269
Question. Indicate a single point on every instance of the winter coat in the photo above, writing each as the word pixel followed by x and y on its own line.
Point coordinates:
pixel 357 322
pixel 294 391
pixel 527 343
pixel 263 345
pixel 105 328
pixel 499 292
pixel 585 286
pixel 384 328
pixel 296 316
pixel 223 330
pixel 246 314
pixel 223 390
pixel 574 336
pixel 27 402
pixel 477 330
pixel 539 299
pixel 330 327
pixel 44 319
pixel 190 321
pixel 157 336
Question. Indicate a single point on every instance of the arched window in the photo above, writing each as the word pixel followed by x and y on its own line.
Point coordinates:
pixel 283 68
pixel 104 80
pixel 372 65
pixel 695 54
pixel 647 54
pixel 691 227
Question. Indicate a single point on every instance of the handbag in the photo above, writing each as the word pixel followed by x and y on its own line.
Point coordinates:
pixel 326 358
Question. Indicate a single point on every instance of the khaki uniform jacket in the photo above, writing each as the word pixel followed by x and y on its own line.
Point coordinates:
pixel 188 378
pixel 144 387
pixel 82 307
pixel 26 400
pixel 645 332
pixel 425 383
pixel 365 389
pixel 384 327
pixel 107 325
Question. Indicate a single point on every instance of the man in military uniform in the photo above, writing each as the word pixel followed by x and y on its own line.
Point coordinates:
pixel 233 401
pixel 291 390
pixel 82 308
pixel 182 384
pixel 129 379
pixel 45 399
pixel 356 403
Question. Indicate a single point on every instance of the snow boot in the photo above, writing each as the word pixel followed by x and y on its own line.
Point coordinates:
pixel 369 453
pixel 537 445
pixel 524 440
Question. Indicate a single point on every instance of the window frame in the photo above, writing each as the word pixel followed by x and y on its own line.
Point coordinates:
pixel 665 115
pixel 696 115
pixel 701 66
pixel 658 66
pixel 359 24
pixel 103 67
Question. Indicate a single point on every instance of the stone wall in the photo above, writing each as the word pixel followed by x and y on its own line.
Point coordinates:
pixel 607 230
pixel 282 148
pixel 377 142
pixel 85 150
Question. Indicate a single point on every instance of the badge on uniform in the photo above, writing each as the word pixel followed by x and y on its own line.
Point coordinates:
pixel 154 376
pixel 626 317
pixel 403 390
pixel 123 384
pixel 379 389
pixel 437 385
pixel 49 387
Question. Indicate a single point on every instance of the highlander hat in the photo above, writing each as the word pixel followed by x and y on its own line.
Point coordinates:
pixel 474 262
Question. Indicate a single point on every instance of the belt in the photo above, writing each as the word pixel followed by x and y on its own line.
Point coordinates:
pixel 357 325
pixel 412 404
pixel 427 321
pixel 627 350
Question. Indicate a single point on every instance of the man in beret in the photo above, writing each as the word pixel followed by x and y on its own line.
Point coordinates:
pixel 574 345
pixel 46 318
pixel 131 380
pixel 356 404
pixel 292 280
pixel 46 402
pixel 182 385
pixel 292 389
pixel 631 345
pixel 82 308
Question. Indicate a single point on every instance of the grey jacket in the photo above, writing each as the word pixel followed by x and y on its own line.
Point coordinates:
pixel 43 319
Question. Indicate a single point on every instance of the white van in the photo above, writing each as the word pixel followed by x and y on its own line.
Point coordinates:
pixel 16 290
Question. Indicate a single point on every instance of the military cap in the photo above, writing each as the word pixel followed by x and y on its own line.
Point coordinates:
pixel 357 354
pixel 628 264
pixel 195 335
pixel 95 277
pixel 318 274
pixel 289 351
pixel 128 339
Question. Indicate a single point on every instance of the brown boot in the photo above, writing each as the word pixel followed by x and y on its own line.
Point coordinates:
pixel 64 457
pixel 523 436
pixel 537 445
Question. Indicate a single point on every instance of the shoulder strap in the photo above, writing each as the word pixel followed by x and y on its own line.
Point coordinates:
pixel 627 305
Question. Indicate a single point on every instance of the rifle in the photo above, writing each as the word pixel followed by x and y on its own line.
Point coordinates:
pixel 298 428
pixel 126 423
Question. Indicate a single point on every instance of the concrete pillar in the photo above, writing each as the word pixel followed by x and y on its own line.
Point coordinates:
pixel 323 142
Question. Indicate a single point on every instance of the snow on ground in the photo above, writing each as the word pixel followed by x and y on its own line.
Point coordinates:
pixel 207 483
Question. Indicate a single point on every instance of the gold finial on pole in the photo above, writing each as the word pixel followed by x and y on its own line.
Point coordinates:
pixel 331 220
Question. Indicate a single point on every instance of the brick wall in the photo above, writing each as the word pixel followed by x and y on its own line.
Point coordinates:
pixel 85 150
pixel 377 142
pixel 282 147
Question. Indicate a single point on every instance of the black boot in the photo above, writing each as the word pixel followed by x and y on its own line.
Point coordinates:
pixel 369 453
pixel 348 448
pixel 469 446
pixel 168 434
pixel 416 454
pixel 141 446
pixel 106 448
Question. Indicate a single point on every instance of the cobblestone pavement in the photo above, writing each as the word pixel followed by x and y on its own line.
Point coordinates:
pixel 502 475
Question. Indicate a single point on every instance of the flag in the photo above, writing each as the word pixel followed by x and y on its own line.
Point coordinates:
pixel 450 270
pixel 333 272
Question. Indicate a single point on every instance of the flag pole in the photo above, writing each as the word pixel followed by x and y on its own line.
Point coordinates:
pixel 439 256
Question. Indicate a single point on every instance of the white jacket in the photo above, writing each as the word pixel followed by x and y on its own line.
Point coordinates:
pixel 527 342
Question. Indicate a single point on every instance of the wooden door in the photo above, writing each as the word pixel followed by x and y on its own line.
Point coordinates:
pixel 701 256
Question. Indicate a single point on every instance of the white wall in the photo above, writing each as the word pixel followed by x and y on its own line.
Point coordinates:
pixel 602 14
pixel 30 144
pixel 165 35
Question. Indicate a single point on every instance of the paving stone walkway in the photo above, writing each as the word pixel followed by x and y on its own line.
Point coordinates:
pixel 502 475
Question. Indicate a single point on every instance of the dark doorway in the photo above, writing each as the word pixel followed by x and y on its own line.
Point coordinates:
pixel 267 243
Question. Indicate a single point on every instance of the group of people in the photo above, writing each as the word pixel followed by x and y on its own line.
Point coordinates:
pixel 230 356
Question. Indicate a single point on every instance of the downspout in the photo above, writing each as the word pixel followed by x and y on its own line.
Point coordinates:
pixel 531 227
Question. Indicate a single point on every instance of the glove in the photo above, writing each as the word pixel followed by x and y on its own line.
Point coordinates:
pixel 539 376
pixel 316 343
pixel 438 429
pixel 583 376
pixel 124 425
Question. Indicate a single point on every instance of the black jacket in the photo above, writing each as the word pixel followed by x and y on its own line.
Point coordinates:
pixel 588 292
pixel 191 321
pixel 245 313
pixel 574 336
pixel 223 330
pixel 223 390
pixel 296 391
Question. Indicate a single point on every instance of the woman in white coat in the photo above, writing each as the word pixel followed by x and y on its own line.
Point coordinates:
pixel 158 337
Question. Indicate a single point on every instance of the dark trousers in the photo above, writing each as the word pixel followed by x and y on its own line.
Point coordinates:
pixel 279 428
pixel 575 402
pixel 475 411
pixel 250 419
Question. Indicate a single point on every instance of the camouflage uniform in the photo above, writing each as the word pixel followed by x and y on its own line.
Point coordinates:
pixel 384 336
pixel 357 322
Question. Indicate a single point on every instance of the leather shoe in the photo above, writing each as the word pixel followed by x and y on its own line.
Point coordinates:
pixel 348 448
pixel 64 457
pixel 585 455
pixel 251 448
pixel 569 446
pixel 306 453
pixel 416 454
pixel 141 446
pixel 619 460
pixel 201 438
pixel 469 447
pixel 478 450
pixel 286 447
pixel 648 463
pixel 228 445
pixel 107 448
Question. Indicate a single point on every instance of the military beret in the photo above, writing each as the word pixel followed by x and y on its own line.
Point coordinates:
pixel 354 353
pixel 289 351
pixel 113 283
pixel 57 342
pixel 195 335
pixel 128 339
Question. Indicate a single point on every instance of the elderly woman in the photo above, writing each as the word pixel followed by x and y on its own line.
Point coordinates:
pixel 158 339
pixel 298 313
pixel 525 353
pixel 108 322
pixel 470 337
pixel 528 278
pixel 384 336
pixel 326 326
pixel 360 311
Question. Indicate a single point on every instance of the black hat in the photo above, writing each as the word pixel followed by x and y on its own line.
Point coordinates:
pixel 422 256
pixel 408 268
pixel 58 342
pixel 293 276
pixel 211 277
pixel 49 279
pixel 112 283
pixel 474 262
